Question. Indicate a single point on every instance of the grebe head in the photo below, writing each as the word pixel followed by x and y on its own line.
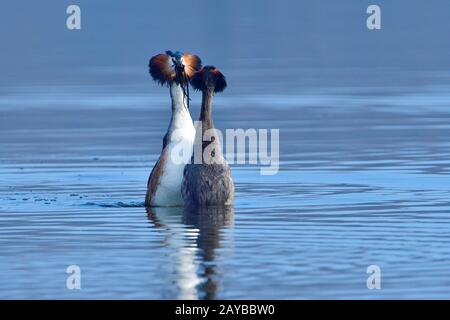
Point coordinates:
pixel 209 79
pixel 170 67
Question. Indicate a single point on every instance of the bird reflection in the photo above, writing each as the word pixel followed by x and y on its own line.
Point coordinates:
pixel 194 234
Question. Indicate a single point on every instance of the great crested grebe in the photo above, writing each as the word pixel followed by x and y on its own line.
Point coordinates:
pixel 173 69
pixel 208 183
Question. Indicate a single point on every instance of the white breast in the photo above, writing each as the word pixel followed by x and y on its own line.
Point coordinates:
pixel 179 151
pixel 168 192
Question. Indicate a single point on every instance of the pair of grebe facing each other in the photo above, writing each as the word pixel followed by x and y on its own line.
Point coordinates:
pixel 173 182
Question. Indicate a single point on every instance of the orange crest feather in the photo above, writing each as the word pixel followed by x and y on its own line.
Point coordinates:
pixel 162 69
pixel 209 78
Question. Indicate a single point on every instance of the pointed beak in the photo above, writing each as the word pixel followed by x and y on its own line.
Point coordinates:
pixel 179 69
pixel 179 66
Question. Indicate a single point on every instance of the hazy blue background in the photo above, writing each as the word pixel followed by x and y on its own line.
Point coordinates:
pixel 364 140
pixel 121 36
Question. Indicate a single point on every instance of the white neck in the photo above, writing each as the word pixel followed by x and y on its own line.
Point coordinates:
pixel 179 99
pixel 179 141
pixel 181 118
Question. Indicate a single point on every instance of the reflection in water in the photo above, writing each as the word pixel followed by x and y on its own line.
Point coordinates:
pixel 194 234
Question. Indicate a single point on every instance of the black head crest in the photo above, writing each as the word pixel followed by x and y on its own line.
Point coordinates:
pixel 209 78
